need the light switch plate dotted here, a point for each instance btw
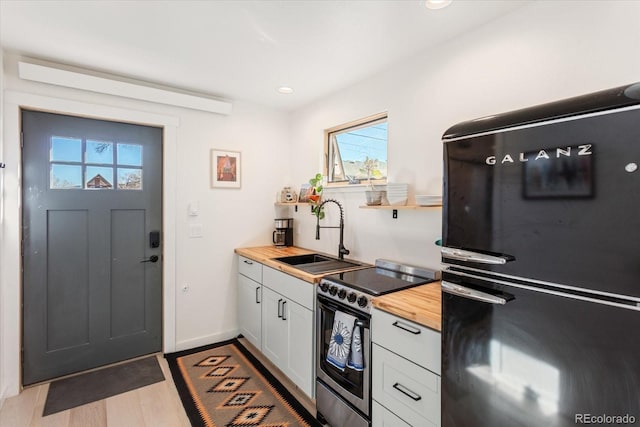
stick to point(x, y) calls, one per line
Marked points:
point(195, 230)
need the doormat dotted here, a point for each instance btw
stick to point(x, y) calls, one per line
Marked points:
point(81, 389)
point(225, 385)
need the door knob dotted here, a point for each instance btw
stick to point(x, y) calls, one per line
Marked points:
point(152, 258)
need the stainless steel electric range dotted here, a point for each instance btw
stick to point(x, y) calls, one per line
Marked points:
point(343, 393)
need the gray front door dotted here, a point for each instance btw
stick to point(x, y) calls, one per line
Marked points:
point(92, 195)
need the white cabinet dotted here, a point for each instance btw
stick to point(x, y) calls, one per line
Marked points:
point(406, 371)
point(288, 330)
point(381, 417)
point(275, 339)
point(250, 310)
point(250, 300)
point(250, 268)
point(276, 315)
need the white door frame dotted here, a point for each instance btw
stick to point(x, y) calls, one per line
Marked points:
point(10, 220)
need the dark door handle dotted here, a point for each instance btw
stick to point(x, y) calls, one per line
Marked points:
point(279, 308)
point(152, 258)
point(284, 312)
point(405, 327)
point(402, 389)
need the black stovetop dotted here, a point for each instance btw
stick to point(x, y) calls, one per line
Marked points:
point(376, 280)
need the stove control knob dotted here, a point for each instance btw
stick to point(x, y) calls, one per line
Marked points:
point(324, 286)
point(333, 290)
point(351, 297)
point(362, 301)
point(342, 294)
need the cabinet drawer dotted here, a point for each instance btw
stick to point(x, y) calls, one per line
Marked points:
point(291, 287)
point(406, 389)
point(250, 268)
point(417, 343)
point(382, 417)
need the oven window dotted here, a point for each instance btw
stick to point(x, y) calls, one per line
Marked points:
point(350, 379)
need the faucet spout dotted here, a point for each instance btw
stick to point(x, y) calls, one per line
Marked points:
point(342, 251)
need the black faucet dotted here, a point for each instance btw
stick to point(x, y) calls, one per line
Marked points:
point(342, 251)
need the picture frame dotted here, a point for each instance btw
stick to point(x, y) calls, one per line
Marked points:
point(225, 168)
point(305, 191)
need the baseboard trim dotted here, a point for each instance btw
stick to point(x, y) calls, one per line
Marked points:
point(206, 340)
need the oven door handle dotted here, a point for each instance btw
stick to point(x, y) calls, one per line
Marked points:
point(326, 305)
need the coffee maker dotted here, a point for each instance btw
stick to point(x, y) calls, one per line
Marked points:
point(283, 234)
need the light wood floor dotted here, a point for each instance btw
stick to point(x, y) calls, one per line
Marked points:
point(156, 405)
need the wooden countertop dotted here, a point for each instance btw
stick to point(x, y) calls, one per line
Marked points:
point(421, 304)
point(265, 255)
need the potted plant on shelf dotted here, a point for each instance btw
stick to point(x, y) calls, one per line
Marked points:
point(316, 196)
point(370, 167)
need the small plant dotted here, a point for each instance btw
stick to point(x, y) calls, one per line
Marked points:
point(371, 170)
point(374, 197)
point(316, 196)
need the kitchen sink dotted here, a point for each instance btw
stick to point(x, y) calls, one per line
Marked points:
point(317, 264)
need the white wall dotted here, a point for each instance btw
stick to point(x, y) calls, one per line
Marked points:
point(205, 312)
point(546, 51)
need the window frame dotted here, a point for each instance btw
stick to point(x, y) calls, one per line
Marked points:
point(363, 122)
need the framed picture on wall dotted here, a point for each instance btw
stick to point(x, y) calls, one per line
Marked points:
point(225, 169)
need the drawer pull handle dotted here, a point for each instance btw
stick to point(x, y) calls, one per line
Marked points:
point(405, 327)
point(246, 261)
point(279, 303)
point(402, 389)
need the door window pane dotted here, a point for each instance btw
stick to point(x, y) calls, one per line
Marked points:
point(129, 179)
point(99, 178)
point(99, 152)
point(67, 163)
point(65, 150)
point(65, 176)
point(130, 154)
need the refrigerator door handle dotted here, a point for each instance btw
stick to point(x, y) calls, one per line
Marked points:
point(461, 291)
point(463, 255)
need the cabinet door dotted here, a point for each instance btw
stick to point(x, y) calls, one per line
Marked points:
point(249, 310)
point(274, 328)
point(406, 389)
point(299, 322)
point(382, 417)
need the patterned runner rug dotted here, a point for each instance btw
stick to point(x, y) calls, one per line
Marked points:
point(224, 385)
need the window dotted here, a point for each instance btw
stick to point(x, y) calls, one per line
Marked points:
point(349, 146)
point(94, 165)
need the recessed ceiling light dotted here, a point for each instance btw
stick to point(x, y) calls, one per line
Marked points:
point(437, 4)
point(285, 90)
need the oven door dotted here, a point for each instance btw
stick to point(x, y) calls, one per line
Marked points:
point(353, 386)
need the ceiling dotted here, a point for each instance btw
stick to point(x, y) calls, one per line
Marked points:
point(238, 50)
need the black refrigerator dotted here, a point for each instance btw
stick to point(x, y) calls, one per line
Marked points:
point(541, 246)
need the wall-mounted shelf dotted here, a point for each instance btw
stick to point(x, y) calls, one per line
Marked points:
point(295, 205)
point(395, 209)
